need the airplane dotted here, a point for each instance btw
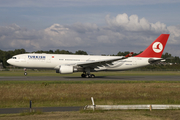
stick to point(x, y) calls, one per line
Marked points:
point(66, 64)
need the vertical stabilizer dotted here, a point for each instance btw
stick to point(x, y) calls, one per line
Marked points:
point(156, 48)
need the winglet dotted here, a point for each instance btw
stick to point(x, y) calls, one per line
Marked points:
point(156, 48)
point(129, 55)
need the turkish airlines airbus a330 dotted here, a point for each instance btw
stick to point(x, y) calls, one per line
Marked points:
point(64, 64)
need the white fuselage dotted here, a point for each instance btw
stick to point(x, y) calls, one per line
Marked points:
point(53, 61)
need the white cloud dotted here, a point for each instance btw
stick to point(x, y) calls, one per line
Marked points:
point(56, 29)
point(133, 23)
point(175, 34)
point(121, 33)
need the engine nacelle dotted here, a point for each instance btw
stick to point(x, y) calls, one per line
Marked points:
point(66, 69)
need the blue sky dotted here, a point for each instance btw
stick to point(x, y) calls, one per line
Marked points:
point(34, 21)
point(41, 17)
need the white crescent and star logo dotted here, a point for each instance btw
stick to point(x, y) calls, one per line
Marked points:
point(157, 47)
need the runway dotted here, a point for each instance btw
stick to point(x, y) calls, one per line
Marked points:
point(99, 78)
point(42, 109)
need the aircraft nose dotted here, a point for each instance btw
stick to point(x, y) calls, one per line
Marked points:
point(9, 61)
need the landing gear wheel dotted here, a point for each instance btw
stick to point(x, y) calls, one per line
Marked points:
point(87, 76)
point(25, 73)
point(92, 75)
point(83, 75)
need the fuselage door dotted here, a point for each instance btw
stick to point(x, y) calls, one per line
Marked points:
point(48, 60)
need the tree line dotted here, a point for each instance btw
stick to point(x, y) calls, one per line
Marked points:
point(5, 55)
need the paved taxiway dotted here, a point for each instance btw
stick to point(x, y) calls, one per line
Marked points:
point(103, 78)
point(42, 109)
point(57, 78)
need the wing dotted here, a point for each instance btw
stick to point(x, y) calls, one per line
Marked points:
point(104, 62)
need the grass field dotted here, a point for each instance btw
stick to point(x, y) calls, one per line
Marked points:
point(100, 115)
point(77, 93)
point(45, 94)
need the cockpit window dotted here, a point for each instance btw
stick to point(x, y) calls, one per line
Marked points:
point(13, 57)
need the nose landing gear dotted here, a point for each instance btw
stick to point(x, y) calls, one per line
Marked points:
point(25, 73)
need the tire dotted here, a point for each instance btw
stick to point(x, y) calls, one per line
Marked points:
point(25, 73)
point(83, 75)
point(92, 75)
point(87, 76)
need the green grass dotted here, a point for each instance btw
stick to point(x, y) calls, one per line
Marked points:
point(19, 95)
point(99, 115)
point(33, 112)
point(78, 93)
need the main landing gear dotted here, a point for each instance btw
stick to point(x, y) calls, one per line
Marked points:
point(25, 73)
point(85, 75)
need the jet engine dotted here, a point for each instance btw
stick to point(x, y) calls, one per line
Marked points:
point(67, 69)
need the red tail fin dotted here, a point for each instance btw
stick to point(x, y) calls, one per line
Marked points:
point(156, 48)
